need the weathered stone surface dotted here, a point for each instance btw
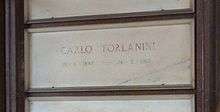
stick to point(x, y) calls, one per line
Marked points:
point(40, 9)
point(144, 54)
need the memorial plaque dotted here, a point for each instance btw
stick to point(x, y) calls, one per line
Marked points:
point(41, 9)
point(114, 104)
point(154, 54)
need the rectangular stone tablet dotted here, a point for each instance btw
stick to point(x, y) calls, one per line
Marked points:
point(44, 9)
point(156, 103)
point(154, 54)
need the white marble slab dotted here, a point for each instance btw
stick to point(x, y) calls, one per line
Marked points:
point(41, 9)
point(114, 104)
point(159, 53)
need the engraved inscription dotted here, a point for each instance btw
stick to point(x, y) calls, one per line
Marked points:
point(111, 48)
point(154, 55)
